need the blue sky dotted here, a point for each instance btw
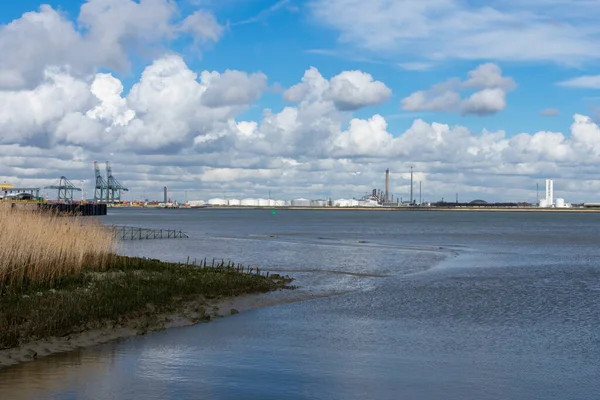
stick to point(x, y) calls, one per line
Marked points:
point(280, 43)
point(482, 70)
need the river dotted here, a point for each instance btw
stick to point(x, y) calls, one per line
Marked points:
point(433, 305)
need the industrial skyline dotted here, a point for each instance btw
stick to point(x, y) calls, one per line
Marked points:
point(112, 190)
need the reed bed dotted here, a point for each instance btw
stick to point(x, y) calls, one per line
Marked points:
point(61, 275)
point(39, 247)
point(129, 289)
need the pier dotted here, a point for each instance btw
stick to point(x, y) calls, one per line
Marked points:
point(76, 209)
point(135, 233)
point(83, 209)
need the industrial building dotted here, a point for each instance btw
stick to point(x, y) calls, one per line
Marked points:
point(300, 202)
point(377, 198)
point(548, 201)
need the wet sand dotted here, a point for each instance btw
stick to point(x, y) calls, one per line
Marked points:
point(189, 313)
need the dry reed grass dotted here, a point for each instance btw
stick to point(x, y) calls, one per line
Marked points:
point(60, 275)
point(39, 247)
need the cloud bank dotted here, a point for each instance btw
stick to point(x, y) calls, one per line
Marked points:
point(189, 129)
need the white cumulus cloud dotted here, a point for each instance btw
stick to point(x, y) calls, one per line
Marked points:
point(352, 90)
point(349, 91)
point(484, 102)
point(106, 32)
point(489, 97)
point(233, 87)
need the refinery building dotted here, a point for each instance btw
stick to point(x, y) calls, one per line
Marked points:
point(548, 201)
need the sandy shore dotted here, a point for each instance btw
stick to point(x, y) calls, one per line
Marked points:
point(189, 313)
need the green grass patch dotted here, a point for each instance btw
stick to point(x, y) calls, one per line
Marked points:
point(128, 288)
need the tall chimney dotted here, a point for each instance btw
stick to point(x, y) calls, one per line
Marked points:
point(387, 184)
point(165, 190)
point(549, 192)
point(411, 185)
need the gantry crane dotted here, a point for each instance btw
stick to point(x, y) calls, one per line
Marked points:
point(113, 186)
point(101, 188)
point(65, 189)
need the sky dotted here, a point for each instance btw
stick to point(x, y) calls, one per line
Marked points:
point(311, 99)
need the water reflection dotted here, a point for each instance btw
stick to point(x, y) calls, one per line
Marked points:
point(57, 373)
point(513, 316)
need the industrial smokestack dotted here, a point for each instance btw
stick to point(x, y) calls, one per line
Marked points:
point(549, 192)
point(387, 184)
point(411, 185)
point(165, 192)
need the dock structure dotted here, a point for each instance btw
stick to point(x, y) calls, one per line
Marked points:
point(82, 209)
point(135, 233)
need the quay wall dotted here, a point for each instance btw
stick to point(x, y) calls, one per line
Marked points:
point(84, 209)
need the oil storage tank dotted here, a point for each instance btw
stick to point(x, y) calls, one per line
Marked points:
point(301, 202)
point(249, 202)
point(341, 203)
point(263, 202)
point(234, 202)
point(217, 202)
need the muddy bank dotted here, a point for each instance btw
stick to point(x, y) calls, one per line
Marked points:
point(132, 297)
point(189, 313)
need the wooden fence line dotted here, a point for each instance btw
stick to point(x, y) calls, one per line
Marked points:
point(134, 233)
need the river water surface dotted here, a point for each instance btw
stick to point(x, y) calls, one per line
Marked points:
point(435, 305)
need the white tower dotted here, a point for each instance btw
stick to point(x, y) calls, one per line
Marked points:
point(549, 192)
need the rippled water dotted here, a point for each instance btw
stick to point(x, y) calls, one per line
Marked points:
point(438, 305)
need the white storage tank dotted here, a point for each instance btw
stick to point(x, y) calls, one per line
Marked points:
point(341, 203)
point(249, 202)
point(318, 203)
point(354, 203)
point(560, 203)
point(217, 202)
point(234, 202)
point(301, 202)
point(263, 202)
point(196, 203)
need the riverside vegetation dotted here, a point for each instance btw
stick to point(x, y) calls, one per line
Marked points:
point(62, 275)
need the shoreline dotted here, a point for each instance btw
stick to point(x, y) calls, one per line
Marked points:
point(187, 314)
point(415, 209)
